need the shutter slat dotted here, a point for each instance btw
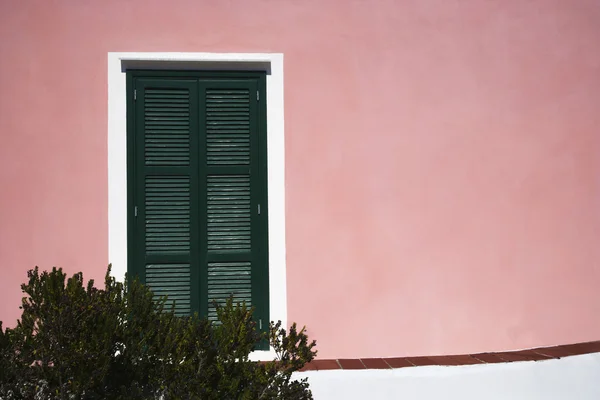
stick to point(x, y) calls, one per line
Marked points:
point(228, 127)
point(167, 195)
point(173, 281)
point(228, 201)
point(161, 117)
point(228, 279)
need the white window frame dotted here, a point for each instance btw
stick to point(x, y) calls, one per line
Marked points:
point(118, 63)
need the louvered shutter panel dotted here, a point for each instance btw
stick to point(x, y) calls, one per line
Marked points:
point(166, 193)
point(198, 182)
point(235, 245)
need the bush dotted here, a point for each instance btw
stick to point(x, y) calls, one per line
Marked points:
point(75, 341)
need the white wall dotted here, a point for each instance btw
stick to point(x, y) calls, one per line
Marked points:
point(572, 378)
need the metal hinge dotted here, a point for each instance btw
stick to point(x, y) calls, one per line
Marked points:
point(259, 209)
point(135, 211)
point(260, 324)
point(257, 95)
point(135, 94)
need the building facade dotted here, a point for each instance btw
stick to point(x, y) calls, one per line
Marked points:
point(413, 178)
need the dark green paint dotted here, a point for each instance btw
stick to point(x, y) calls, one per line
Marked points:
point(225, 163)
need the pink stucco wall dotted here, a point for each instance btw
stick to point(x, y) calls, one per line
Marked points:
point(442, 158)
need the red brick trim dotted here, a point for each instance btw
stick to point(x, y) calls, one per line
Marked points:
point(542, 353)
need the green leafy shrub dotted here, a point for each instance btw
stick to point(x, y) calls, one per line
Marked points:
point(75, 341)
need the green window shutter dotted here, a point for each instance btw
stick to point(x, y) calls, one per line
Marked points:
point(166, 196)
point(198, 177)
point(235, 209)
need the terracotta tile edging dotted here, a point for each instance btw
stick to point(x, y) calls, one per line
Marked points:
point(537, 354)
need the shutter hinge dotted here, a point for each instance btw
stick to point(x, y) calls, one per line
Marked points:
point(259, 209)
point(260, 324)
point(135, 211)
point(135, 94)
point(257, 95)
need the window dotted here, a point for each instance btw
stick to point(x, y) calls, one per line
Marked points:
point(197, 187)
